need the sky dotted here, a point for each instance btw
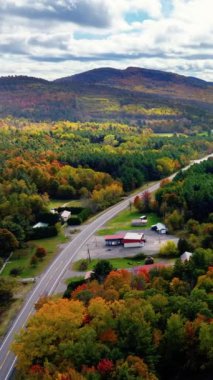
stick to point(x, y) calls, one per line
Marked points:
point(57, 38)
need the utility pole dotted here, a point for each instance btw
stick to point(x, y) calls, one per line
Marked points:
point(88, 252)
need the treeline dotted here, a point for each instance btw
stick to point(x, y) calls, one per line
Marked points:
point(150, 324)
point(186, 204)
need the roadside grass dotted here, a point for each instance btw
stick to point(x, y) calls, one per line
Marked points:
point(10, 313)
point(73, 279)
point(122, 222)
point(117, 263)
point(55, 203)
point(21, 257)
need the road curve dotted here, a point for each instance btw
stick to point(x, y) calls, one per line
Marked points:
point(49, 280)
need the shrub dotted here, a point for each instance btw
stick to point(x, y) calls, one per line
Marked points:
point(72, 286)
point(139, 256)
point(40, 253)
point(84, 214)
point(34, 261)
point(83, 265)
point(48, 217)
point(74, 221)
point(16, 271)
point(43, 232)
point(169, 249)
point(149, 260)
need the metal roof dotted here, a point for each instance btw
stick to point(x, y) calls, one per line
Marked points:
point(134, 235)
point(115, 237)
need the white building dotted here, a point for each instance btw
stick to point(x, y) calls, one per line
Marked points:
point(65, 215)
point(133, 240)
point(186, 256)
point(40, 225)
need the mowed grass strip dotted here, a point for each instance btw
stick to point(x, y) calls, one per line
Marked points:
point(117, 263)
point(22, 257)
point(8, 314)
point(122, 222)
point(55, 203)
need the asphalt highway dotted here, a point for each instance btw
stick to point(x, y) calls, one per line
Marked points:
point(49, 280)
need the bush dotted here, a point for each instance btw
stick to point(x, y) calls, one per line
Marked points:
point(16, 271)
point(74, 221)
point(43, 232)
point(40, 253)
point(72, 286)
point(48, 217)
point(139, 256)
point(84, 214)
point(169, 249)
point(149, 260)
point(34, 261)
point(83, 265)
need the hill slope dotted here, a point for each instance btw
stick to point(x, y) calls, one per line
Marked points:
point(134, 95)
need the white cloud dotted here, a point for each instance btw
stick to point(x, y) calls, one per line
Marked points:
point(181, 41)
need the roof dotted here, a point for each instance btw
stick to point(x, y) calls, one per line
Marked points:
point(186, 256)
point(159, 226)
point(134, 235)
point(65, 214)
point(116, 236)
point(40, 225)
point(88, 274)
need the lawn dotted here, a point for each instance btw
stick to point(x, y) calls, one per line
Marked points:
point(55, 203)
point(11, 312)
point(21, 257)
point(122, 222)
point(119, 263)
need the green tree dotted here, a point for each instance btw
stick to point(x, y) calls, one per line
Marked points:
point(101, 270)
point(8, 242)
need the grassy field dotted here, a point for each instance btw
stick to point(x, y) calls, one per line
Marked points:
point(73, 279)
point(54, 203)
point(118, 263)
point(21, 257)
point(122, 222)
point(11, 312)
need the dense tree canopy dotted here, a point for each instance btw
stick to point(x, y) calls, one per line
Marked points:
point(94, 161)
point(147, 325)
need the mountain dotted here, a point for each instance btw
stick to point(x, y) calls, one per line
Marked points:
point(134, 95)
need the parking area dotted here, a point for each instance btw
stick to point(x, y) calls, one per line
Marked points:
point(96, 247)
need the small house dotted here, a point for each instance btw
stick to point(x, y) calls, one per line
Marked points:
point(65, 215)
point(186, 256)
point(40, 225)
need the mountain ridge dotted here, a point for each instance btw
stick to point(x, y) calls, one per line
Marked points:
point(134, 95)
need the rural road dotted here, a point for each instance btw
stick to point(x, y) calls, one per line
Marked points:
point(49, 280)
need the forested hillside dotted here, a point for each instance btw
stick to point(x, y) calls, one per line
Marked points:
point(163, 101)
point(152, 322)
point(143, 325)
point(94, 162)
